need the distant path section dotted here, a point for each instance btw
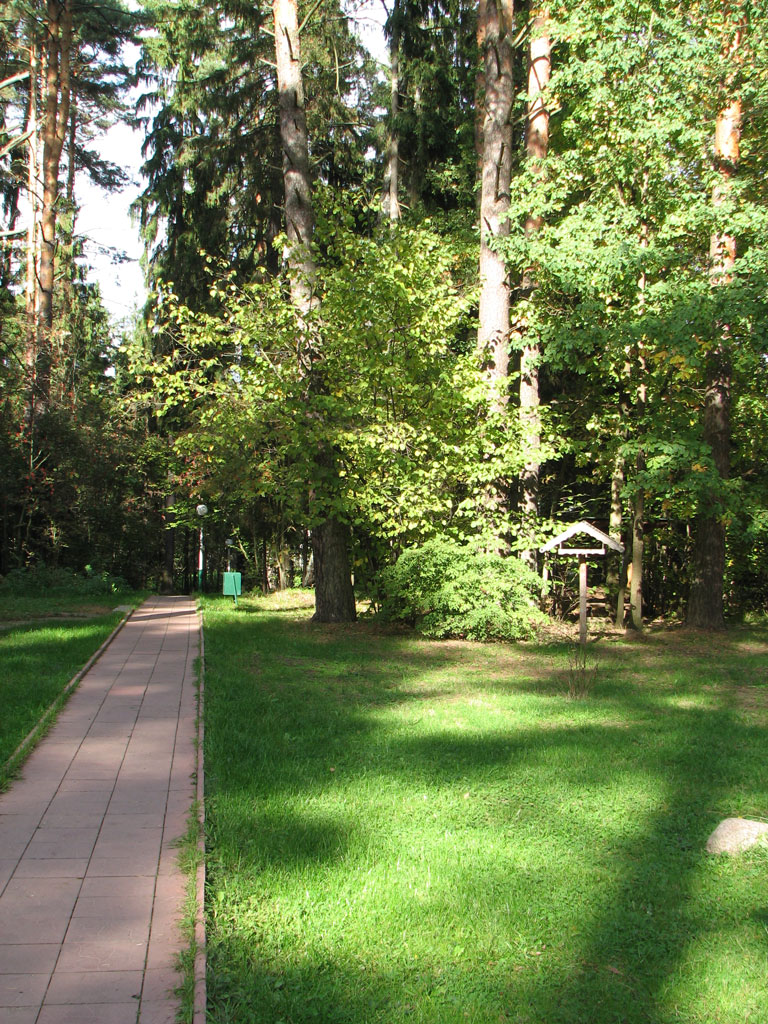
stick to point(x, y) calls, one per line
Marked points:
point(90, 890)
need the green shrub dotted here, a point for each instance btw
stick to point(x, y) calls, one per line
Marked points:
point(447, 589)
point(43, 579)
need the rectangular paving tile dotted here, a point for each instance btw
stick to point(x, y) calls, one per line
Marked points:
point(84, 817)
point(30, 894)
point(159, 984)
point(138, 887)
point(22, 989)
point(115, 907)
point(24, 798)
point(27, 926)
point(100, 1013)
point(15, 833)
point(116, 955)
point(85, 987)
point(28, 957)
point(161, 1012)
point(19, 1015)
point(7, 868)
point(143, 843)
point(52, 843)
point(79, 786)
point(127, 926)
point(146, 804)
point(58, 867)
point(120, 866)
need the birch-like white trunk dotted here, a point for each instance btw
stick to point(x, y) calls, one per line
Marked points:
point(493, 334)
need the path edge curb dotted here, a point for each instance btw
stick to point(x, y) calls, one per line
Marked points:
point(201, 961)
point(21, 752)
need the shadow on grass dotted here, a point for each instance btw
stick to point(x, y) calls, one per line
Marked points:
point(598, 911)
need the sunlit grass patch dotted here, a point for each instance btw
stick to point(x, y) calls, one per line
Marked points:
point(405, 830)
point(36, 663)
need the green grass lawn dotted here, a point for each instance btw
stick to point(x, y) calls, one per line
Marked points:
point(23, 608)
point(44, 641)
point(401, 830)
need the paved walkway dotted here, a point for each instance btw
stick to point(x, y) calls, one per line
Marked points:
point(90, 891)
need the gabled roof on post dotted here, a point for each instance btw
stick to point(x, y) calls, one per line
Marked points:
point(605, 542)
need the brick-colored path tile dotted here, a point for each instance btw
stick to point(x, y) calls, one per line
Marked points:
point(90, 892)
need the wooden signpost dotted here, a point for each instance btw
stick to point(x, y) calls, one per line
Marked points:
point(598, 549)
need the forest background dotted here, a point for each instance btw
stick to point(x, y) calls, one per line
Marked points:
point(517, 281)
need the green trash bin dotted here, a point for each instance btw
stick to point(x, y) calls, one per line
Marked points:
point(232, 586)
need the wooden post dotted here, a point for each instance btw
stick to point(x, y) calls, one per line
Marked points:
point(604, 543)
point(582, 599)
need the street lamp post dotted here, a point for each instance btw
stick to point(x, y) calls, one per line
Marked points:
point(202, 510)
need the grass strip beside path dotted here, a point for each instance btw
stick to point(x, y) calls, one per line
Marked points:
point(401, 830)
point(17, 609)
point(36, 663)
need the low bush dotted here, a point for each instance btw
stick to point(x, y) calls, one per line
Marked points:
point(43, 579)
point(447, 589)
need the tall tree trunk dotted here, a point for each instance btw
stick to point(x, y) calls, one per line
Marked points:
point(390, 203)
point(57, 96)
point(638, 544)
point(616, 580)
point(536, 145)
point(33, 195)
point(418, 163)
point(333, 587)
point(493, 327)
point(71, 212)
point(482, 18)
point(334, 595)
point(705, 601)
point(493, 334)
point(169, 546)
point(635, 578)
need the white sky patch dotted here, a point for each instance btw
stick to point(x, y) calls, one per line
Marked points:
point(112, 244)
point(368, 17)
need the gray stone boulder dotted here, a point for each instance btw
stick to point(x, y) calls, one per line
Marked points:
point(733, 835)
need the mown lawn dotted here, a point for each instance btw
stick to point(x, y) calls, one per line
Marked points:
point(16, 608)
point(400, 830)
point(44, 641)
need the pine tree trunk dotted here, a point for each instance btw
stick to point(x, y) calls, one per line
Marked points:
point(31, 295)
point(57, 95)
point(390, 203)
point(334, 596)
point(68, 241)
point(482, 18)
point(418, 164)
point(536, 145)
point(706, 597)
